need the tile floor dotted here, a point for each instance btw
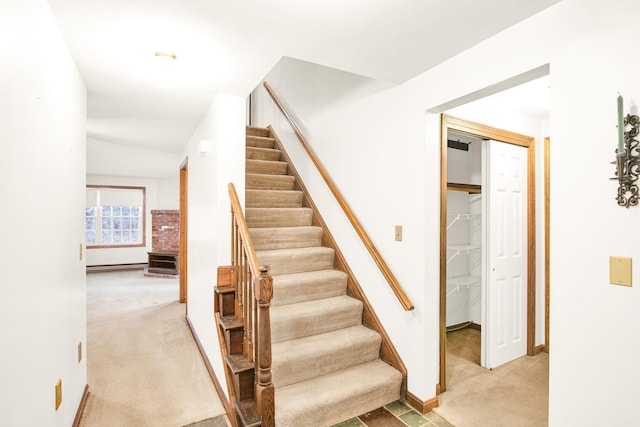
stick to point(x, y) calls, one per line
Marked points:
point(396, 414)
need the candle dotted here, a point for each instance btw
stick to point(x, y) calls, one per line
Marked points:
point(621, 150)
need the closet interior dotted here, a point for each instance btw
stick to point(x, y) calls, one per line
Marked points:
point(464, 233)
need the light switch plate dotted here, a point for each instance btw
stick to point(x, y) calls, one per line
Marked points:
point(620, 270)
point(398, 233)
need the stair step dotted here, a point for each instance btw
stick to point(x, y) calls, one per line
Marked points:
point(339, 396)
point(303, 319)
point(273, 198)
point(238, 363)
point(296, 260)
point(309, 286)
point(248, 412)
point(260, 141)
point(285, 237)
point(230, 322)
point(278, 217)
point(257, 131)
point(256, 153)
point(266, 167)
point(254, 181)
point(309, 357)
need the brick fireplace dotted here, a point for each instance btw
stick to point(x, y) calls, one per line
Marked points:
point(165, 244)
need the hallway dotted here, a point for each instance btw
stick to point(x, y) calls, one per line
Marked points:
point(513, 395)
point(144, 368)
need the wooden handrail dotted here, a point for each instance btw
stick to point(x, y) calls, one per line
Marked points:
point(382, 265)
point(244, 231)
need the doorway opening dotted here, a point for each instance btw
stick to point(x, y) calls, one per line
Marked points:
point(467, 198)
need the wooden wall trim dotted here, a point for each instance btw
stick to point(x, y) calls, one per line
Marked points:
point(81, 406)
point(184, 221)
point(443, 251)
point(223, 398)
point(423, 407)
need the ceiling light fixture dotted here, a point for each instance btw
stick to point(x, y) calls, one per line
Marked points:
point(166, 55)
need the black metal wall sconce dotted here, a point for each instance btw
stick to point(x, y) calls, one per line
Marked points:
point(627, 158)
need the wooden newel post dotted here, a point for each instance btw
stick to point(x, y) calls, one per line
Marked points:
point(265, 395)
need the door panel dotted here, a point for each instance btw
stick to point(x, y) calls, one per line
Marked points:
point(506, 249)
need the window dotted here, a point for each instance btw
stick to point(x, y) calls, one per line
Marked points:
point(115, 216)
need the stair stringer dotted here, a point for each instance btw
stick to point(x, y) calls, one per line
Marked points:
point(388, 352)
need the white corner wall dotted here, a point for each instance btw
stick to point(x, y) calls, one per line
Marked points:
point(383, 151)
point(42, 169)
point(160, 194)
point(110, 159)
point(209, 218)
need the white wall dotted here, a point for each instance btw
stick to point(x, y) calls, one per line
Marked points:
point(383, 151)
point(159, 193)
point(42, 170)
point(209, 219)
point(381, 177)
point(107, 158)
point(168, 192)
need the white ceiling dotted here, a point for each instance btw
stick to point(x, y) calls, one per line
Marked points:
point(227, 46)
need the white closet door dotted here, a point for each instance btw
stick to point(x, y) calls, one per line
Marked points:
point(506, 253)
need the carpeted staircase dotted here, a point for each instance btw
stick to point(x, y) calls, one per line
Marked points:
point(326, 365)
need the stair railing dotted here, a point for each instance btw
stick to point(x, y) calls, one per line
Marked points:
point(375, 254)
point(254, 290)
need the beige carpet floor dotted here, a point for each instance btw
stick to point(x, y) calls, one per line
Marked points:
point(144, 368)
point(513, 395)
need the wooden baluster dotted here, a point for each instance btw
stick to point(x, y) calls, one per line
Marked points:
point(265, 395)
point(234, 234)
point(240, 299)
point(236, 265)
point(248, 320)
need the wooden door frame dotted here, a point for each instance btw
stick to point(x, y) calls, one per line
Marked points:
point(466, 127)
point(184, 190)
point(547, 238)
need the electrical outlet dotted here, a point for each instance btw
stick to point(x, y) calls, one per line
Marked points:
point(80, 352)
point(398, 233)
point(58, 394)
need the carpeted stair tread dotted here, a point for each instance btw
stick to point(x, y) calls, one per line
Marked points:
point(257, 131)
point(263, 154)
point(296, 260)
point(309, 357)
point(273, 198)
point(256, 181)
point(299, 320)
point(308, 286)
point(285, 237)
point(326, 364)
point(267, 167)
point(260, 141)
point(339, 396)
point(278, 217)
